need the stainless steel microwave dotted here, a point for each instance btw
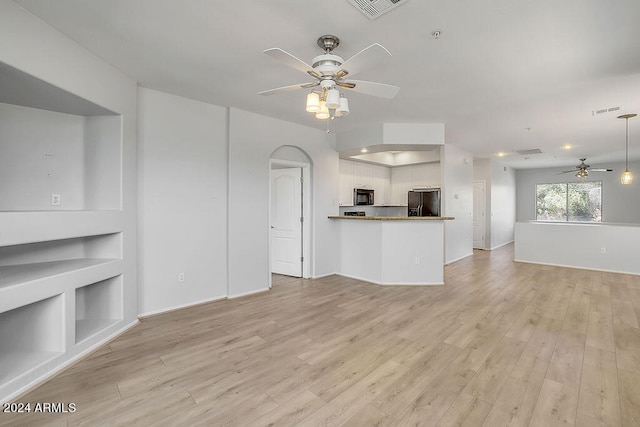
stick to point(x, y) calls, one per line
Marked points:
point(362, 196)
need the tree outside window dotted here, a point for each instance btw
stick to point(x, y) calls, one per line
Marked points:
point(573, 201)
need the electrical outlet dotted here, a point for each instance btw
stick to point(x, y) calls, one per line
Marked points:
point(55, 200)
point(180, 277)
point(603, 250)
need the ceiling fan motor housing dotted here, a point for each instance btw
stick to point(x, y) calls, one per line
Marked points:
point(327, 64)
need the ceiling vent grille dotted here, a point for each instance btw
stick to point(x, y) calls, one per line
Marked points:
point(605, 111)
point(374, 8)
point(529, 152)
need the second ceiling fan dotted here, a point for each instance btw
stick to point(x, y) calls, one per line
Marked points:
point(582, 170)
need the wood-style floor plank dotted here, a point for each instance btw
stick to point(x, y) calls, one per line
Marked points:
point(501, 344)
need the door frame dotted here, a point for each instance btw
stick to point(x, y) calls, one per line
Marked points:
point(306, 265)
point(484, 208)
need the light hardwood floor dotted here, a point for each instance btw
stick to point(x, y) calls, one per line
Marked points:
point(502, 343)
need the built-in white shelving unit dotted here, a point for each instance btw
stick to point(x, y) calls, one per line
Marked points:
point(61, 245)
point(98, 306)
point(30, 335)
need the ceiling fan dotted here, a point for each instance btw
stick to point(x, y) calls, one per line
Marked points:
point(582, 170)
point(329, 72)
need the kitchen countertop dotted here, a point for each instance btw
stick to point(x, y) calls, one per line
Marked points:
point(394, 218)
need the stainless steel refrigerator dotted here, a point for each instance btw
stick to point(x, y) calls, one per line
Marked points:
point(424, 202)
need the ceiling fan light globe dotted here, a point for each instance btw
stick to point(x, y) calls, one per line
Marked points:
point(333, 99)
point(626, 177)
point(343, 108)
point(323, 112)
point(313, 102)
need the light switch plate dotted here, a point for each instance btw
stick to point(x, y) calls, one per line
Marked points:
point(55, 200)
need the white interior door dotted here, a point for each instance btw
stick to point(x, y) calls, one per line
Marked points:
point(478, 215)
point(286, 225)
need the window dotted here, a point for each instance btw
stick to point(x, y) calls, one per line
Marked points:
point(572, 201)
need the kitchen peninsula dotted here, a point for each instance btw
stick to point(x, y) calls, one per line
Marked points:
point(388, 250)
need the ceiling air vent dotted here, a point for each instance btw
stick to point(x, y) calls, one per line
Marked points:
point(529, 152)
point(374, 8)
point(605, 110)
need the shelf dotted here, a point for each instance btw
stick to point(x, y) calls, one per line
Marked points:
point(98, 306)
point(36, 226)
point(30, 336)
point(34, 261)
point(17, 274)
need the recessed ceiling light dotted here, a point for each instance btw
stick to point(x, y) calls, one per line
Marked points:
point(364, 150)
point(501, 154)
point(567, 147)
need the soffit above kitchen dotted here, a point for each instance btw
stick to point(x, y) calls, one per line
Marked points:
point(393, 144)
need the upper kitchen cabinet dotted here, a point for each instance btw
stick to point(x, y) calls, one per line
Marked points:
point(346, 182)
point(407, 178)
point(362, 175)
point(425, 175)
point(382, 185)
point(401, 183)
point(57, 151)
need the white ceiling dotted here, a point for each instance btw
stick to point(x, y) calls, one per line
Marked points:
point(504, 75)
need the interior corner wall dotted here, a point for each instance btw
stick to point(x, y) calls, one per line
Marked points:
point(30, 45)
point(252, 139)
point(457, 201)
point(503, 204)
point(182, 171)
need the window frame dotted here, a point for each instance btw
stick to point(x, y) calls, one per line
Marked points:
point(566, 215)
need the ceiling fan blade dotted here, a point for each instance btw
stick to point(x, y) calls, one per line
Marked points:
point(290, 60)
point(381, 90)
point(346, 85)
point(365, 59)
point(288, 88)
point(575, 170)
point(341, 73)
point(600, 170)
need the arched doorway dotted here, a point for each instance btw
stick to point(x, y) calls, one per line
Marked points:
point(290, 212)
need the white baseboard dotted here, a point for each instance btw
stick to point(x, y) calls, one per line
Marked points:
point(388, 284)
point(458, 259)
point(179, 307)
point(577, 267)
point(324, 275)
point(504, 244)
point(244, 294)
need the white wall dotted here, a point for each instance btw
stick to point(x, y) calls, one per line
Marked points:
point(503, 204)
point(204, 181)
point(457, 201)
point(182, 171)
point(620, 203)
point(37, 161)
point(500, 195)
point(602, 247)
point(252, 139)
point(482, 172)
